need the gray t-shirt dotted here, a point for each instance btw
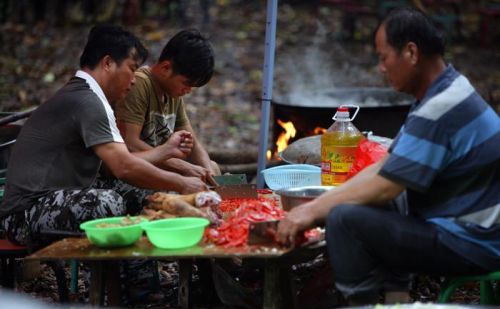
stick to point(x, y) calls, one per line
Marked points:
point(54, 148)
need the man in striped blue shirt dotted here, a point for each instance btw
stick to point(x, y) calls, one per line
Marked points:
point(442, 173)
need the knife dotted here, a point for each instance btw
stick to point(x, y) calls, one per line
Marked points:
point(262, 233)
point(237, 191)
point(230, 179)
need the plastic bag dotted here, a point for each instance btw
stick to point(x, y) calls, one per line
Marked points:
point(367, 153)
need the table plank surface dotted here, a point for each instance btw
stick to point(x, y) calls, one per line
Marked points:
point(81, 249)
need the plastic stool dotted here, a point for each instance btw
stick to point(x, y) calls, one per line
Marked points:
point(488, 294)
point(8, 253)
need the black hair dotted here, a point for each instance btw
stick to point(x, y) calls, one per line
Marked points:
point(113, 41)
point(191, 55)
point(409, 24)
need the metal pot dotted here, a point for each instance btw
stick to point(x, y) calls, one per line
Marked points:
point(308, 150)
point(382, 110)
point(292, 197)
point(362, 96)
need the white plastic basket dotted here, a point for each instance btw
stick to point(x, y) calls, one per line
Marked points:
point(292, 175)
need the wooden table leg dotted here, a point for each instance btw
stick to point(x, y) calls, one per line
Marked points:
point(205, 274)
point(185, 272)
point(279, 286)
point(113, 284)
point(272, 296)
point(288, 288)
point(96, 290)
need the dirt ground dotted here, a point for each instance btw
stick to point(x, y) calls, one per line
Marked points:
point(314, 51)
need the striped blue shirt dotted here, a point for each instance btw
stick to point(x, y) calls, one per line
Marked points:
point(447, 154)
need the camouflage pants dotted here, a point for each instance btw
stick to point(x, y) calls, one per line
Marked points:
point(64, 210)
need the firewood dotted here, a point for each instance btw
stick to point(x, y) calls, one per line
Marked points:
point(234, 156)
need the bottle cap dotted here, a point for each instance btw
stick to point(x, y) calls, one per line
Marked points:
point(342, 114)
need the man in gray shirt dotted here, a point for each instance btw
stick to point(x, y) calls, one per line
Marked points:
point(53, 167)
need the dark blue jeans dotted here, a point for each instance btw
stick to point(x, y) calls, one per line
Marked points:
point(373, 249)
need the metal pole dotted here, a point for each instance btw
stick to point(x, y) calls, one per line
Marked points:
point(267, 87)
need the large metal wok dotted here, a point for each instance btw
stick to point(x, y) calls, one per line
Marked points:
point(382, 110)
point(308, 150)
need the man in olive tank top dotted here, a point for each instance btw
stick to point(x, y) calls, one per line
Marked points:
point(154, 108)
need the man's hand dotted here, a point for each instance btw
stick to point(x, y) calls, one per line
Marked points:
point(196, 171)
point(199, 172)
point(179, 145)
point(192, 185)
point(297, 220)
point(140, 173)
point(189, 170)
point(187, 143)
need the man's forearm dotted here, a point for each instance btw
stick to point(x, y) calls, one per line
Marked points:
point(157, 179)
point(146, 152)
point(366, 188)
point(199, 156)
point(174, 165)
point(135, 144)
point(153, 156)
point(135, 171)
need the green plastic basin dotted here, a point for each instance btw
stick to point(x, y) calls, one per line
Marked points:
point(175, 233)
point(110, 237)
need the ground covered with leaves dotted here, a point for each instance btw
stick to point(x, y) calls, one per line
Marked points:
point(37, 58)
point(313, 281)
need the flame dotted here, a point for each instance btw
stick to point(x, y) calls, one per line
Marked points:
point(319, 130)
point(284, 137)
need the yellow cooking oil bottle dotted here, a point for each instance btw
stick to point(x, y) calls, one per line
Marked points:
point(338, 146)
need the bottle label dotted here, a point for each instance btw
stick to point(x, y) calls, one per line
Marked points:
point(336, 162)
point(333, 179)
point(341, 158)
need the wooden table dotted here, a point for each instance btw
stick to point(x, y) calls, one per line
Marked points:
point(278, 285)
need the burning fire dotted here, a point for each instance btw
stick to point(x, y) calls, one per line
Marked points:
point(284, 137)
point(319, 130)
point(268, 154)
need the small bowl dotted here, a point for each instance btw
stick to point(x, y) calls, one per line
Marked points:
point(113, 236)
point(175, 233)
point(292, 197)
